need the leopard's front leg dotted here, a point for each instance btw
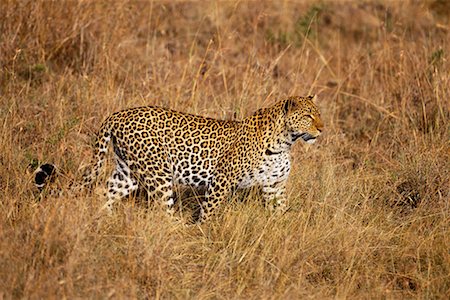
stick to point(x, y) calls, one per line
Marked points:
point(274, 196)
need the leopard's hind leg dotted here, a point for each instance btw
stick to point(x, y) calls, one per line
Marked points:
point(162, 190)
point(120, 184)
point(159, 184)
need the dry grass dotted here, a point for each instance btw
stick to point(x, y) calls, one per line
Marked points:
point(369, 202)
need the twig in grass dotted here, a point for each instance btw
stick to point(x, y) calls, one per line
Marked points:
point(378, 107)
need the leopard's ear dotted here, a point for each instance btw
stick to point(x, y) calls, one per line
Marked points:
point(312, 98)
point(289, 104)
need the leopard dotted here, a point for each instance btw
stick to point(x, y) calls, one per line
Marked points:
point(157, 148)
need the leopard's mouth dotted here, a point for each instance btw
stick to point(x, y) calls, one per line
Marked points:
point(308, 138)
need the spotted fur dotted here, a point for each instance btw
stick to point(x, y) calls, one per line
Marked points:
point(157, 148)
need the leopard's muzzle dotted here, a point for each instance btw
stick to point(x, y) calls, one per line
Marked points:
point(308, 138)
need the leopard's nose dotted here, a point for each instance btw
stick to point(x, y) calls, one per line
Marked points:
point(319, 125)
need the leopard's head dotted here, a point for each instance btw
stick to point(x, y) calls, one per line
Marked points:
point(302, 118)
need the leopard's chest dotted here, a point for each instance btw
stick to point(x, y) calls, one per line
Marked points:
point(273, 168)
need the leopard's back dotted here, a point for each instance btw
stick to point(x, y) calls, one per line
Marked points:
point(151, 137)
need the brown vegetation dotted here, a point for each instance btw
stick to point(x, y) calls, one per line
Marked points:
point(369, 202)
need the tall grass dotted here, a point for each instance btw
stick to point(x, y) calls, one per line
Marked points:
point(369, 203)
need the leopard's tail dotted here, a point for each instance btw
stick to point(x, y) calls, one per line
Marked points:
point(46, 172)
point(104, 137)
point(43, 175)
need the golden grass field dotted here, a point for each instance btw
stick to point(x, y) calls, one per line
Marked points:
point(369, 202)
